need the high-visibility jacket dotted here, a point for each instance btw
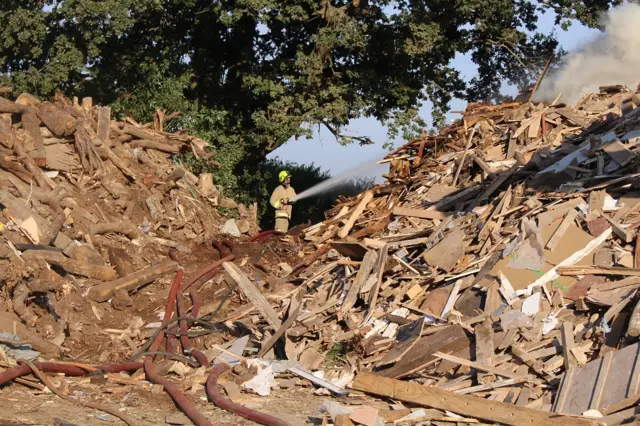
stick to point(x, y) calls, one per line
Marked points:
point(279, 194)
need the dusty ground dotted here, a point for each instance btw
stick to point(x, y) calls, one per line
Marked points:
point(23, 406)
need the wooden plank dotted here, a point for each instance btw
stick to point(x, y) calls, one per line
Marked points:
point(478, 366)
point(634, 323)
point(408, 336)
point(628, 416)
point(448, 252)
point(567, 344)
point(293, 316)
point(625, 234)
point(523, 398)
point(368, 262)
point(506, 289)
point(450, 339)
point(104, 291)
point(373, 296)
point(89, 270)
point(508, 339)
point(466, 149)
point(511, 146)
point(485, 350)
point(612, 338)
point(619, 153)
point(366, 198)
point(598, 270)
point(253, 294)
point(599, 388)
point(452, 298)
point(465, 405)
point(104, 124)
point(483, 165)
point(562, 229)
point(572, 117)
point(596, 201)
point(420, 213)
point(493, 385)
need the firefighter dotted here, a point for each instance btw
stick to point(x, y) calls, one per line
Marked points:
point(281, 200)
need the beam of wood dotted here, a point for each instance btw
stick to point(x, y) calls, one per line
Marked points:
point(613, 285)
point(478, 366)
point(253, 294)
point(31, 124)
point(373, 297)
point(293, 316)
point(624, 234)
point(466, 150)
point(368, 262)
point(366, 198)
point(618, 307)
point(104, 122)
point(562, 229)
point(493, 385)
point(634, 323)
point(598, 270)
point(420, 213)
point(620, 153)
point(449, 339)
point(485, 351)
point(103, 292)
point(98, 272)
point(453, 296)
point(567, 344)
point(465, 405)
point(149, 144)
point(571, 260)
point(571, 116)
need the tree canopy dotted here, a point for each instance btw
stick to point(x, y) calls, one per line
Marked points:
point(250, 74)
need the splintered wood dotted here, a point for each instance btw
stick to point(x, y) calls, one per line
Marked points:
point(474, 287)
point(493, 279)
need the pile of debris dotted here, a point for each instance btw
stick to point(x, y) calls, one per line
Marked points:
point(91, 204)
point(493, 279)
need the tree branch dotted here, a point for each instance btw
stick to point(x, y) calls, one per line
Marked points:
point(363, 140)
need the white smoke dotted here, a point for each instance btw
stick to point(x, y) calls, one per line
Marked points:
point(613, 57)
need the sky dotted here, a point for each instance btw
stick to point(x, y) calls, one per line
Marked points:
point(324, 151)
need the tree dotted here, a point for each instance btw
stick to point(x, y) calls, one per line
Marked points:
point(250, 74)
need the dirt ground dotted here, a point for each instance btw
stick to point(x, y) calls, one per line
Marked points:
point(22, 406)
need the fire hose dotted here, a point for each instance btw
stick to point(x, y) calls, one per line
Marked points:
point(220, 401)
point(173, 304)
point(263, 236)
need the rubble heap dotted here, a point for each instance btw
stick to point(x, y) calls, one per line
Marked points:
point(493, 279)
point(97, 201)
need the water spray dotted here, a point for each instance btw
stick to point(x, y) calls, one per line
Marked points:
point(333, 182)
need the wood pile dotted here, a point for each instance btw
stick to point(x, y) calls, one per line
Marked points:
point(96, 200)
point(493, 279)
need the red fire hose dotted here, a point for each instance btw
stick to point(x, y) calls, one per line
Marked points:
point(174, 392)
point(173, 304)
point(219, 400)
point(263, 236)
point(69, 370)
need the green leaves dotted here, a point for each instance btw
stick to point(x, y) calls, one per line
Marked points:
point(269, 70)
